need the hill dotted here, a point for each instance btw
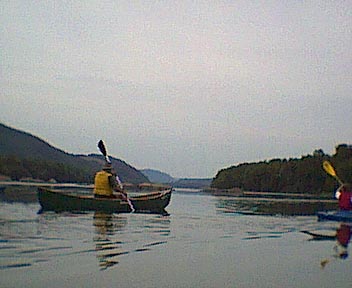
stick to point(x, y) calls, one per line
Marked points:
point(156, 176)
point(24, 155)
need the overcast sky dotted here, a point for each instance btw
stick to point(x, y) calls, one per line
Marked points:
point(185, 87)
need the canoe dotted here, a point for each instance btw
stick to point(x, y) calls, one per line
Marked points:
point(59, 200)
point(340, 216)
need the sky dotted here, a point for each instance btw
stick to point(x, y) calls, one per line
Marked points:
point(184, 87)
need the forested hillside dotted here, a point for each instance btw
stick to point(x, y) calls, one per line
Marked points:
point(23, 155)
point(304, 175)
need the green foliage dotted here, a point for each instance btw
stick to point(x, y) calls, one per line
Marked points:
point(45, 170)
point(303, 175)
point(41, 169)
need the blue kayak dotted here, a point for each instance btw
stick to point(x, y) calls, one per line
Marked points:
point(341, 216)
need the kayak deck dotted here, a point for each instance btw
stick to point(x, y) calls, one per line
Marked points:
point(341, 216)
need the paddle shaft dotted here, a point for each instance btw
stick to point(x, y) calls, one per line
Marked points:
point(124, 195)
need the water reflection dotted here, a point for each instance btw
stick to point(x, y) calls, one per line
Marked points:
point(108, 249)
point(272, 206)
point(117, 235)
point(342, 238)
point(197, 246)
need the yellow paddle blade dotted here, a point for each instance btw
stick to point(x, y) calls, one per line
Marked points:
point(329, 169)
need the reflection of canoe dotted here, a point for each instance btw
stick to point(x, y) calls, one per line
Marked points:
point(319, 236)
point(341, 216)
point(57, 200)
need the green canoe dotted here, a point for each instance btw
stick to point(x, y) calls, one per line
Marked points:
point(59, 200)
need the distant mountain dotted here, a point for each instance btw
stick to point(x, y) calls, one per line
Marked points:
point(156, 176)
point(25, 155)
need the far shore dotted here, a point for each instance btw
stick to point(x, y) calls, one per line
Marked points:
point(235, 192)
point(45, 184)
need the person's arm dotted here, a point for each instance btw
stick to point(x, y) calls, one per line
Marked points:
point(115, 185)
point(338, 192)
point(113, 182)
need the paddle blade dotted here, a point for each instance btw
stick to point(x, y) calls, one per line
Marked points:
point(103, 150)
point(329, 169)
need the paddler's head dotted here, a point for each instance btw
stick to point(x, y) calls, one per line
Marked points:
point(107, 167)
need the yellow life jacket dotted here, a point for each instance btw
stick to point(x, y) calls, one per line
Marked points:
point(102, 185)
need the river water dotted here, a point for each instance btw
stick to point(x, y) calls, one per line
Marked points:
point(198, 245)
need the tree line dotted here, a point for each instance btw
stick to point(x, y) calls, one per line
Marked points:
point(17, 169)
point(80, 170)
point(304, 175)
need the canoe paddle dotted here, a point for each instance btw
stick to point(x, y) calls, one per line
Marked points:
point(103, 151)
point(331, 171)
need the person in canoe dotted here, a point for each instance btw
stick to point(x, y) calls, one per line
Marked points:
point(344, 195)
point(106, 183)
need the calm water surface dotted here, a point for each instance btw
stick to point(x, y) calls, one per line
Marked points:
point(200, 244)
